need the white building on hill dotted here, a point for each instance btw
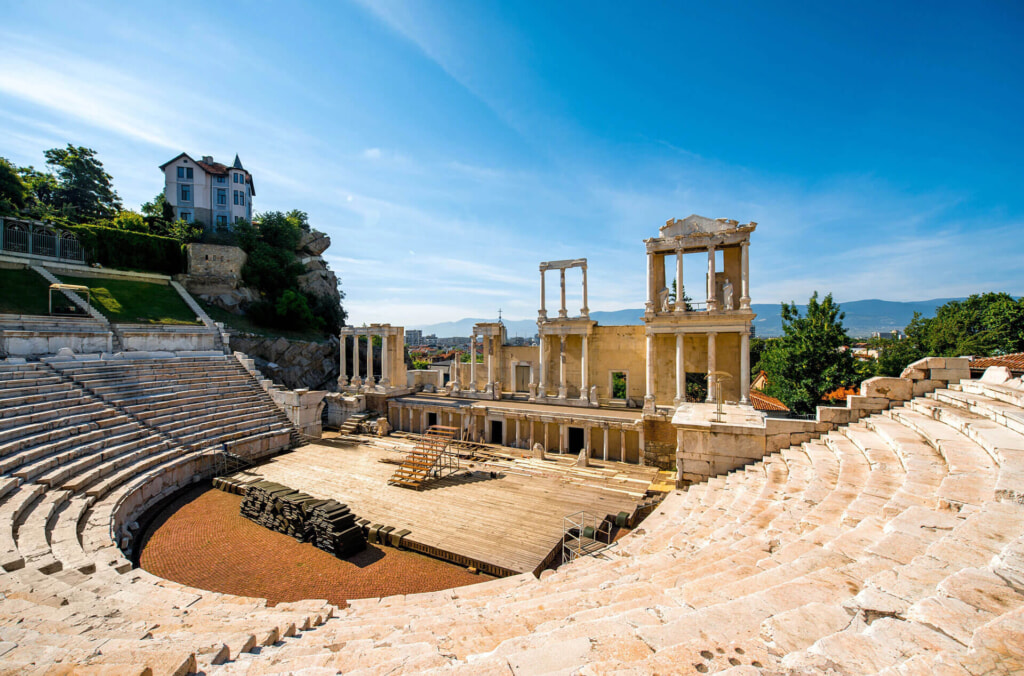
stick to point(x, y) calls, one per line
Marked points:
point(208, 192)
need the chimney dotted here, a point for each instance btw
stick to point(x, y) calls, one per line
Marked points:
point(208, 159)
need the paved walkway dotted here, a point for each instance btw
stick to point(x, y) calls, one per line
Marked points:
point(202, 541)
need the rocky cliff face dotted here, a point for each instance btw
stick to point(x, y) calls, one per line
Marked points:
point(292, 363)
point(215, 273)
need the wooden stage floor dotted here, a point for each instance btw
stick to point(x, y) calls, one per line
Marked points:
point(512, 522)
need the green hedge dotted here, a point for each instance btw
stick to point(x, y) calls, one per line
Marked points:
point(114, 248)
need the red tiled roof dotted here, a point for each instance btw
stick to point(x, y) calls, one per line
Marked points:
point(762, 402)
point(1014, 362)
point(215, 168)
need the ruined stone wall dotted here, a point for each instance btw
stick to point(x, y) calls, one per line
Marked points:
point(292, 363)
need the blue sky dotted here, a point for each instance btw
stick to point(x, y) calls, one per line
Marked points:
point(448, 148)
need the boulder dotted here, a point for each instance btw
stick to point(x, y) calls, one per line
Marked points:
point(314, 243)
point(319, 283)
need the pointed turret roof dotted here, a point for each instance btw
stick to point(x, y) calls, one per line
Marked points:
point(238, 163)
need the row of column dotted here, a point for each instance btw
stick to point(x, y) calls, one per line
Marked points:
point(712, 300)
point(744, 375)
point(562, 311)
point(562, 357)
point(489, 340)
point(513, 431)
point(370, 380)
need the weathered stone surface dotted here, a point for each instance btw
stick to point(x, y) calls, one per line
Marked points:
point(314, 243)
point(294, 364)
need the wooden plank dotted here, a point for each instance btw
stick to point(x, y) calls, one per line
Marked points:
point(512, 522)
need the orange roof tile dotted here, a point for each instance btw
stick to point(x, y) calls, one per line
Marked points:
point(1014, 362)
point(762, 402)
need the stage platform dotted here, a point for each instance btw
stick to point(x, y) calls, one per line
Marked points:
point(505, 525)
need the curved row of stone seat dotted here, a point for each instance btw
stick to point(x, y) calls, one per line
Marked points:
point(75, 477)
point(892, 544)
point(200, 402)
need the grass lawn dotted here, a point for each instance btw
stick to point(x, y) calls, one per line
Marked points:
point(243, 324)
point(23, 292)
point(122, 300)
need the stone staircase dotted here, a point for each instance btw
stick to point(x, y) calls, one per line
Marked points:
point(894, 545)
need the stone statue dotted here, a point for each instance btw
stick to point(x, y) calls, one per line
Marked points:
point(383, 427)
point(727, 295)
point(663, 299)
point(593, 394)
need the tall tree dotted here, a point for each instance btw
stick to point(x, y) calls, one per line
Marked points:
point(41, 193)
point(12, 189)
point(981, 325)
point(84, 190)
point(811, 358)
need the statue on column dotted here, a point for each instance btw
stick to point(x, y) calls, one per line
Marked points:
point(663, 301)
point(727, 295)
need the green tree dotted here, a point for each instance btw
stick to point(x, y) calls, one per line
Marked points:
point(40, 198)
point(13, 190)
point(672, 296)
point(130, 220)
point(981, 325)
point(810, 359)
point(84, 190)
point(894, 356)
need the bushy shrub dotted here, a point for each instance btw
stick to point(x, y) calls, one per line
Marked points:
point(115, 248)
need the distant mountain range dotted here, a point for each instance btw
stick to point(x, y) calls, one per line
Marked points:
point(863, 317)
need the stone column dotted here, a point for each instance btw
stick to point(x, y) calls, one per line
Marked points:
point(561, 367)
point(745, 367)
point(585, 311)
point(680, 306)
point(516, 440)
point(649, 396)
point(622, 444)
point(530, 426)
point(562, 311)
point(712, 366)
point(370, 381)
point(543, 368)
point(423, 421)
point(605, 430)
point(546, 428)
point(504, 431)
point(712, 301)
point(543, 312)
point(453, 373)
point(472, 363)
point(385, 372)
point(651, 292)
point(343, 362)
point(356, 378)
point(745, 276)
point(640, 446)
point(586, 439)
point(562, 431)
point(680, 371)
point(490, 363)
point(583, 369)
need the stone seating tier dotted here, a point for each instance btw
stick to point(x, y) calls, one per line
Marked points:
point(894, 545)
point(881, 547)
point(74, 469)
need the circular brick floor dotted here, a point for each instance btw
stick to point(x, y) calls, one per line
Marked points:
point(201, 540)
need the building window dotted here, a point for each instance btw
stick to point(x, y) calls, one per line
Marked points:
point(222, 221)
point(186, 216)
point(240, 198)
point(222, 179)
point(186, 193)
point(222, 196)
point(185, 172)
